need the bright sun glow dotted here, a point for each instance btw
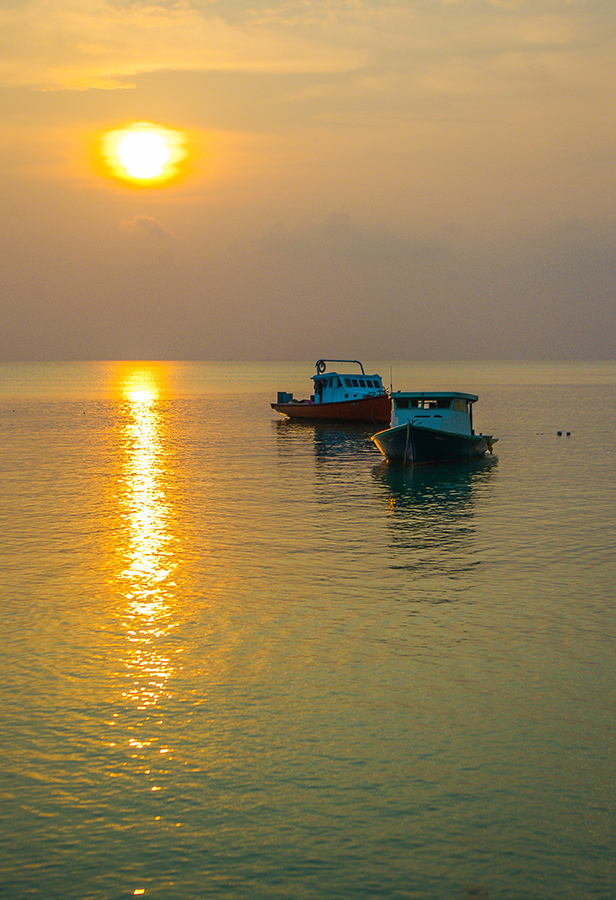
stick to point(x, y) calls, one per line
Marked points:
point(144, 153)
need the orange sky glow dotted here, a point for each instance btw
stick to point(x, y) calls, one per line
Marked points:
point(429, 180)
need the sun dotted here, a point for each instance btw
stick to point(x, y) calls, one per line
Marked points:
point(144, 153)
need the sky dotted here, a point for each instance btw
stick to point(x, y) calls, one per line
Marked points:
point(362, 178)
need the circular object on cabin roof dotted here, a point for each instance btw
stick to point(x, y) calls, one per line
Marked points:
point(320, 366)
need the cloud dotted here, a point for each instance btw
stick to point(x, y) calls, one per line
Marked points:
point(144, 224)
point(339, 239)
point(149, 237)
point(64, 44)
point(460, 47)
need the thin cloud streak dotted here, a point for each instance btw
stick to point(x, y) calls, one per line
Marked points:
point(461, 48)
point(44, 45)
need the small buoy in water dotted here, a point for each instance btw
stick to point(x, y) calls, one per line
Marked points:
point(559, 433)
point(568, 434)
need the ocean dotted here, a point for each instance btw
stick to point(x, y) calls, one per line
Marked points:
point(243, 658)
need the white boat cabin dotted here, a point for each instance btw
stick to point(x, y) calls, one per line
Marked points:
point(450, 411)
point(335, 387)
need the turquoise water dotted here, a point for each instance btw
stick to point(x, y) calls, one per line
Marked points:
point(243, 658)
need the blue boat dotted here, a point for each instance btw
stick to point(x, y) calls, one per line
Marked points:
point(432, 427)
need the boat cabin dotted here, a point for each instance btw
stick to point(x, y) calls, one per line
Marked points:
point(450, 411)
point(335, 387)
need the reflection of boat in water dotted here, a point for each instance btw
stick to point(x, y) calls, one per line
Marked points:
point(432, 427)
point(352, 397)
point(447, 486)
point(326, 438)
point(432, 521)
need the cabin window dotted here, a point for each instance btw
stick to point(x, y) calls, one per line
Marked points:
point(460, 405)
point(362, 383)
point(430, 402)
point(355, 382)
point(370, 383)
point(402, 404)
point(347, 382)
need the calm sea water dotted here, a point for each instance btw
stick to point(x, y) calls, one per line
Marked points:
point(243, 658)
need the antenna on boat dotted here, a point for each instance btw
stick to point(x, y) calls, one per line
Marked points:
point(391, 387)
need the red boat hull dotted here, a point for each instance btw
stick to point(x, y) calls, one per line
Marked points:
point(366, 409)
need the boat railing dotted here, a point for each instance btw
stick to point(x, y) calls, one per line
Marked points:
point(321, 364)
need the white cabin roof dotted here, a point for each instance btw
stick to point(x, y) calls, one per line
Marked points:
point(437, 395)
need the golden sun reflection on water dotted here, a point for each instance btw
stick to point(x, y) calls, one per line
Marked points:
point(149, 565)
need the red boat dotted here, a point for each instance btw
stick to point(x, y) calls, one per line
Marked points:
point(354, 397)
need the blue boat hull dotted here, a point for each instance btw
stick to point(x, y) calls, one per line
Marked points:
point(418, 446)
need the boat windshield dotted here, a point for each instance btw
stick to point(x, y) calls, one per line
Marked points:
point(426, 403)
point(373, 383)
